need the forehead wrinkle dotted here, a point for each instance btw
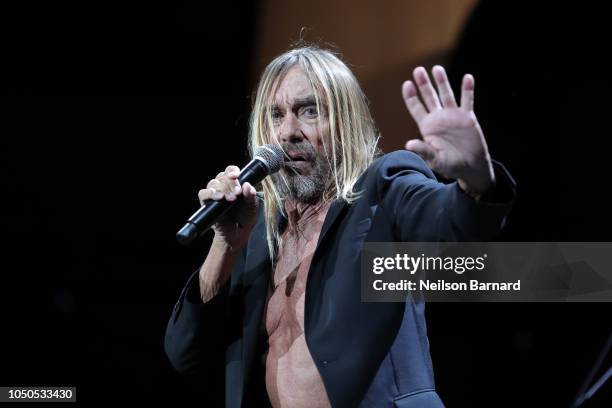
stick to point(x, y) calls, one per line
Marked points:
point(293, 86)
point(290, 98)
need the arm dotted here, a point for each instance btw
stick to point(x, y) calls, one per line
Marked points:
point(424, 209)
point(201, 320)
point(453, 144)
point(196, 332)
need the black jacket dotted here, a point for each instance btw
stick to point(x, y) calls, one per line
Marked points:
point(355, 346)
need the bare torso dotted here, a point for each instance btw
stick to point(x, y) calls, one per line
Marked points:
point(292, 378)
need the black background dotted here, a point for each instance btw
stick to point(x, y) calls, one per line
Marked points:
point(115, 114)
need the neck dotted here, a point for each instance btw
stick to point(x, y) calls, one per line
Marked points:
point(299, 213)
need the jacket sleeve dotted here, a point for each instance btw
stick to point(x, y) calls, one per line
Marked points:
point(423, 209)
point(197, 332)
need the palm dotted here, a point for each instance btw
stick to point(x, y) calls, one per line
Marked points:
point(453, 143)
point(455, 136)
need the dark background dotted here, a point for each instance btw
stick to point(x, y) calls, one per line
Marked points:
point(115, 114)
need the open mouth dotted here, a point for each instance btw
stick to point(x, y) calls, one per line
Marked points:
point(297, 157)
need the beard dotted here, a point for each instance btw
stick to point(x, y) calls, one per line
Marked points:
point(306, 188)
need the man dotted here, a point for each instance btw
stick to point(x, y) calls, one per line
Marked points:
point(281, 282)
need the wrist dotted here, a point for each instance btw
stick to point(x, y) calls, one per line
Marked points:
point(224, 246)
point(477, 181)
point(217, 268)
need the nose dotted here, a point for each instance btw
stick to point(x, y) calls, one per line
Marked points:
point(289, 129)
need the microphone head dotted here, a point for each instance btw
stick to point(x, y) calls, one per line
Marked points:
point(271, 155)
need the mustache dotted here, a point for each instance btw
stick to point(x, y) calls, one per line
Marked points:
point(304, 149)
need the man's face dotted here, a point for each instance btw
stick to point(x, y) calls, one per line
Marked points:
point(302, 131)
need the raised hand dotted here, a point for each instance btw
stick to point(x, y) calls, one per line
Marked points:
point(453, 143)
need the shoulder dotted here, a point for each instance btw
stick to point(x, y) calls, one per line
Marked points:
point(402, 159)
point(396, 164)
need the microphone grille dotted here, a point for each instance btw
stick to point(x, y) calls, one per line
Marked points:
point(271, 155)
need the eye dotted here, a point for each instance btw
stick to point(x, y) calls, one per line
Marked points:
point(276, 115)
point(310, 111)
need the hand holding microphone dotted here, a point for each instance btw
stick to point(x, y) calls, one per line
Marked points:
point(222, 209)
point(234, 226)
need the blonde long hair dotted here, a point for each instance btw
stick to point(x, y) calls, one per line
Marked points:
point(353, 135)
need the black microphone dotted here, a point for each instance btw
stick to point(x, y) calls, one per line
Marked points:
point(266, 160)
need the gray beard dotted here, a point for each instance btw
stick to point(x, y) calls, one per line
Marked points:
point(307, 189)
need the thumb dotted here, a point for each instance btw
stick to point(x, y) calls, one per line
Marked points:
point(250, 196)
point(426, 151)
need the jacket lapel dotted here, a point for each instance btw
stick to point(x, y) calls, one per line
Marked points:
point(334, 211)
point(255, 283)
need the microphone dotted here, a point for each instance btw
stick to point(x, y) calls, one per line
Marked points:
point(266, 160)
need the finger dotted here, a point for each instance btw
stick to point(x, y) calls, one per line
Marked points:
point(204, 194)
point(248, 190)
point(209, 194)
point(426, 151)
point(222, 183)
point(232, 173)
point(412, 101)
point(249, 193)
point(218, 188)
point(215, 183)
point(467, 93)
point(444, 89)
point(426, 88)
